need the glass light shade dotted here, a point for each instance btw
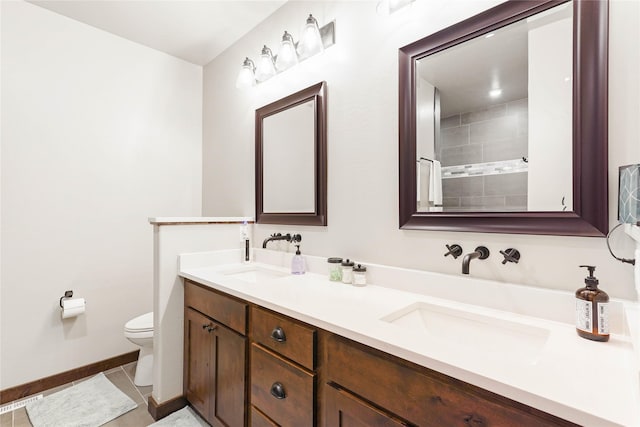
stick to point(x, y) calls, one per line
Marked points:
point(287, 56)
point(246, 78)
point(311, 42)
point(266, 69)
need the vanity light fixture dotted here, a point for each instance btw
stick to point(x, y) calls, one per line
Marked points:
point(314, 40)
point(494, 93)
point(246, 77)
point(287, 56)
point(266, 67)
point(387, 7)
point(311, 41)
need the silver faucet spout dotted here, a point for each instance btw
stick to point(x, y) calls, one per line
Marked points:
point(481, 252)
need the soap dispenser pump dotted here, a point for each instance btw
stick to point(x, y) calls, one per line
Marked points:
point(297, 263)
point(592, 309)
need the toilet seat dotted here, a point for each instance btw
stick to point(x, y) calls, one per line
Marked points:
point(140, 324)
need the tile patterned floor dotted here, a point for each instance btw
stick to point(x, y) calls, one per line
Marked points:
point(122, 377)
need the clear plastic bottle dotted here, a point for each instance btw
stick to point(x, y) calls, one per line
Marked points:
point(245, 246)
point(297, 262)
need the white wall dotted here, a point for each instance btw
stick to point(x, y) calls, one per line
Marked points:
point(362, 81)
point(98, 134)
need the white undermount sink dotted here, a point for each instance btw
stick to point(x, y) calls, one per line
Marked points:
point(253, 273)
point(485, 335)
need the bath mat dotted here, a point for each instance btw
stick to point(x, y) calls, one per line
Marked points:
point(90, 403)
point(185, 417)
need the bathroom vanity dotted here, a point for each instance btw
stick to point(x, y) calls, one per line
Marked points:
point(265, 348)
point(299, 375)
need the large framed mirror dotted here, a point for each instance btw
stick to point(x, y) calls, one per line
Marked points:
point(291, 159)
point(503, 122)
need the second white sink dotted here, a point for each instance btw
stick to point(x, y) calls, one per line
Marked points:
point(488, 336)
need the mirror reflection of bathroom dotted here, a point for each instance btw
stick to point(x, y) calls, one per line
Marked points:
point(494, 121)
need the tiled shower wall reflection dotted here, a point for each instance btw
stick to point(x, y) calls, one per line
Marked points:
point(499, 132)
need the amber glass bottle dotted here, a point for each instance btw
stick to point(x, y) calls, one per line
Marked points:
point(592, 309)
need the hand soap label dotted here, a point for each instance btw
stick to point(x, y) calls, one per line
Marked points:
point(603, 318)
point(584, 315)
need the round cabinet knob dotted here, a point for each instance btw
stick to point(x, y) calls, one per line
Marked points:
point(277, 391)
point(278, 335)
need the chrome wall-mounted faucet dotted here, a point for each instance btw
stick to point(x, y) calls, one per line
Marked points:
point(481, 252)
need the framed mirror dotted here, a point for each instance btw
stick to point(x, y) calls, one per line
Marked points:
point(291, 159)
point(503, 122)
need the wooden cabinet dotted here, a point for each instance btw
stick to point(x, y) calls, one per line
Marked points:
point(283, 380)
point(299, 376)
point(417, 395)
point(215, 357)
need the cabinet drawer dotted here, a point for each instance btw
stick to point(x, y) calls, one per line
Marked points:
point(421, 396)
point(222, 308)
point(286, 336)
point(342, 409)
point(258, 419)
point(281, 390)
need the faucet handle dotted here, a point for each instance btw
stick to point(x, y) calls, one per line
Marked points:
point(510, 255)
point(454, 250)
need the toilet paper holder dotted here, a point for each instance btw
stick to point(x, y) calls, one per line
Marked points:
point(67, 294)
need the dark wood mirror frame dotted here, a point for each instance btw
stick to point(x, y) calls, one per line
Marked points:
point(590, 126)
point(318, 94)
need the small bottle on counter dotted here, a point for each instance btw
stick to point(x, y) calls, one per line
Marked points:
point(347, 271)
point(297, 262)
point(245, 246)
point(359, 275)
point(592, 309)
point(335, 271)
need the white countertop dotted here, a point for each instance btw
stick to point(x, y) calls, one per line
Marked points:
point(182, 220)
point(589, 383)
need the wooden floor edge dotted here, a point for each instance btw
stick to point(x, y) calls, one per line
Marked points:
point(37, 386)
point(161, 410)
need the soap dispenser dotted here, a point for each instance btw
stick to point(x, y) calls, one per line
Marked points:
point(592, 309)
point(297, 263)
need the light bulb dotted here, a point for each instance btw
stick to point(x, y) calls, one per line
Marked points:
point(287, 56)
point(266, 68)
point(311, 42)
point(246, 77)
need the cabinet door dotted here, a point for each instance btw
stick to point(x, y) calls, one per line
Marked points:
point(197, 361)
point(342, 409)
point(214, 374)
point(228, 387)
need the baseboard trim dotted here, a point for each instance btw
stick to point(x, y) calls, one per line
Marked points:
point(37, 386)
point(161, 410)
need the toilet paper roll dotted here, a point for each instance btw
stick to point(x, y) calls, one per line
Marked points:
point(72, 307)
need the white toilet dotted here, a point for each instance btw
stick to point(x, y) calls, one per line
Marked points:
point(139, 331)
